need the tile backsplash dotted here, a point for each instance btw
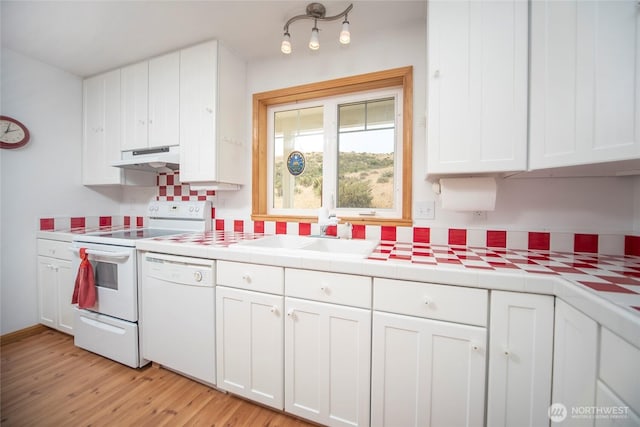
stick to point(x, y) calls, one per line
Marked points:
point(170, 188)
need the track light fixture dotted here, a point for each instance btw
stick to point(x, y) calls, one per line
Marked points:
point(317, 12)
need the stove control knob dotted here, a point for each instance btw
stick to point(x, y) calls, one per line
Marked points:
point(197, 276)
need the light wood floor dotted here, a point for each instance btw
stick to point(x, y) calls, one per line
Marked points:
point(47, 381)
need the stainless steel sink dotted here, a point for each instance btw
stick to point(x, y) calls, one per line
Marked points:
point(320, 247)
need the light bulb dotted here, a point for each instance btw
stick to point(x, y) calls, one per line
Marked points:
point(345, 34)
point(314, 43)
point(285, 47)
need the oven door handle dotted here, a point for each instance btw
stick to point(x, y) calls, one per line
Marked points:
point(105, 254)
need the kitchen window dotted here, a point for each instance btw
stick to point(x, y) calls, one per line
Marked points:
point(344, 144)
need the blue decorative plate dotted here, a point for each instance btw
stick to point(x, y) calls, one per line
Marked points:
point(296, 163)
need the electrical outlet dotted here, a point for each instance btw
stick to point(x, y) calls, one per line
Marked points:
point(425, 210)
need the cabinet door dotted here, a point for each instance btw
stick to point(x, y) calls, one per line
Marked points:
point(65, 281)
point(198, 111)
point(249, 334)
point(135, 102)
point(327, 362)
point(477, 86)
point(164, 80)
point(574, 361)
point(47, 294)
point(585, 82)
point(426, 372)
point(608, 400)
point(521, 346)
point(101, 133)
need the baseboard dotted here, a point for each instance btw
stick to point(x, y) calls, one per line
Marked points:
point(22, 333)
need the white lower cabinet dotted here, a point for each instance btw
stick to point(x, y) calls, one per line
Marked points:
point(327, 362)
point(615, 412)
point(426, 372)
point(575, 362)
point(55, 285)
point(618, 386)
point(520, 362)
point(250, 346)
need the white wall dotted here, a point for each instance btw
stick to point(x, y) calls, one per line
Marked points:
point(636, 214)
point(597, 205)
point(41, 179)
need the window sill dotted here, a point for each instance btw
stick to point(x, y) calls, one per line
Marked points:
point(397, 222)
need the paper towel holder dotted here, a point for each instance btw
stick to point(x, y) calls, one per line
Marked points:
point(436, 187)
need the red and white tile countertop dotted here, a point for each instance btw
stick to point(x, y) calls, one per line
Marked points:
point(605, 287)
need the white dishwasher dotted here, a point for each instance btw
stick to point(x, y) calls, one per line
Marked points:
point(177, 306)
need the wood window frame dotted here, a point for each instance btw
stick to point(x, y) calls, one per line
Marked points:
point(402, 77)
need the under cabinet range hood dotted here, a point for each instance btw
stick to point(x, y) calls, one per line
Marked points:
point(160, 159)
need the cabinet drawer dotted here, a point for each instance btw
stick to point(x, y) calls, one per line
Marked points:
point(619, 361)
point(334, 288)
point(54, 249)
point(442, 302)
point(253, 277)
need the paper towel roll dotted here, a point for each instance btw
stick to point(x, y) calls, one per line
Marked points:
point(468, 194)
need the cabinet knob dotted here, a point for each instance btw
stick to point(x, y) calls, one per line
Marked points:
point(506, 352)
point(274, 309)
point(208, 110)
point(427, 301)
point(141, 122)
point(436, 74)
point(246, 277)
point(291, 313)
point(475, 347)
point(150, 121)
point(324, 289)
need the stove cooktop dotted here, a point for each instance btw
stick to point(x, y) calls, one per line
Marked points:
point(125, 237)
point(140, 233)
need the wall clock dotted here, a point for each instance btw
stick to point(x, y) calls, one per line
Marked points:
point(13, 134)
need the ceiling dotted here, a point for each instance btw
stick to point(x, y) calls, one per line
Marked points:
point(85, 37)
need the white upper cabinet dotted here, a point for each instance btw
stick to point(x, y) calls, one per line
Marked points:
point(101, 129)
point(150, 102)
point(164, 96)
point(212, 113)
point(135, 105)
point(585, 82)
point(477, 55)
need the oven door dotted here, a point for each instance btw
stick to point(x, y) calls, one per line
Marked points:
point(114, 272)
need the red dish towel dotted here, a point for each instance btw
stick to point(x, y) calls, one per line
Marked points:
point(84, 292)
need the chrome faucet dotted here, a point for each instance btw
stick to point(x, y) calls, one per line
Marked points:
point(324, 225)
